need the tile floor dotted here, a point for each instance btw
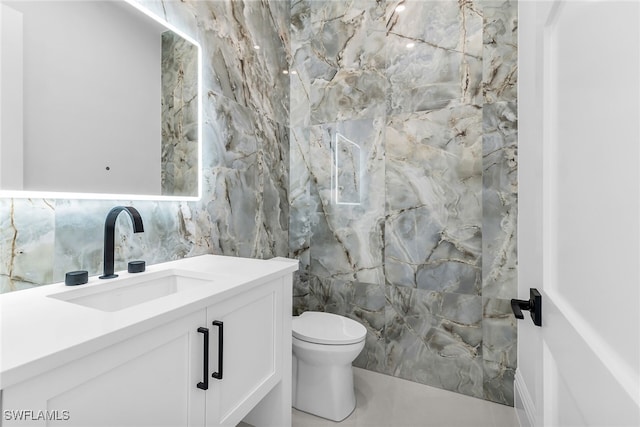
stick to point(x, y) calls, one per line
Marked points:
point(385, 401)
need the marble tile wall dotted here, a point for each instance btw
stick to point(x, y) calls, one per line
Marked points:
point(244, 210)
point(179, 92)
point(424, 256)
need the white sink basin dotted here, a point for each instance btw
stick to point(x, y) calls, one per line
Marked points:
point(118, 294)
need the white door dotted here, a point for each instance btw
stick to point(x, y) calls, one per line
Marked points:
point(579, 233)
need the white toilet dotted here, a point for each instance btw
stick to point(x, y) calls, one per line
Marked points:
point(324, 345)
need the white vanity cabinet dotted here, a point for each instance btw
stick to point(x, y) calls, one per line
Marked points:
point(146, 380)
point(160, 377)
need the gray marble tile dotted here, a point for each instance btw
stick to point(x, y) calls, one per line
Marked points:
point(299, 197)
point(300, 88)
point(369, 309)
point(498, 383)
point(434, 211)
point(195, 226)
point(274, 184)
point(232, 198)
point(472, 61)
point(300, 293)
point(341, 252)
point(301, 54)
point(500, 57)
point(249, 203)
point(235, 212)
point(356, 300)
point(79, 242)
point(434, 54)
point(341, 45)
point(228, 32)
point(347, 173)
point(278, 15)
point(435, 338)
point(233, 131)
point(251, 76)
point(348, 95)
point(499, 350)
point(423, 78)
point(499, 332)
point(268, 24)
point(500, 200)
point(179, 149)
point(27, 233)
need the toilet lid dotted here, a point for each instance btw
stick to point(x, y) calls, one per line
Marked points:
point(327, 328)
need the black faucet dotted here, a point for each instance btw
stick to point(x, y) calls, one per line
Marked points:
point(109, 235)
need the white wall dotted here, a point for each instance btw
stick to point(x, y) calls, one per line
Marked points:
point(91, 98)
point(10, 98)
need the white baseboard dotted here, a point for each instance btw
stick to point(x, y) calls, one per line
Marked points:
point(524, 405)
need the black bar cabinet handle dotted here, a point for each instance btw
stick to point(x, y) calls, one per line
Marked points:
point(204, 385)
point(219, 324)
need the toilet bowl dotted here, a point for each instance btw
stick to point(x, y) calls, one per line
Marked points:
point(324, 345)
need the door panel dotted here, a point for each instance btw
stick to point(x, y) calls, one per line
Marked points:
point(592, 163)
point(580, 190)
point(584, 390)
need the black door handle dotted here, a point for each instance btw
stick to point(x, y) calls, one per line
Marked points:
point(534, 305)
point(218, 375)
point(204, 385)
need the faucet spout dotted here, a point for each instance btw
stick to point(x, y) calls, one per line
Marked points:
point(109, 236)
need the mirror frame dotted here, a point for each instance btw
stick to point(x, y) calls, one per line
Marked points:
point(27, 194)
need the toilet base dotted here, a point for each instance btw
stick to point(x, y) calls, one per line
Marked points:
point(324, 390)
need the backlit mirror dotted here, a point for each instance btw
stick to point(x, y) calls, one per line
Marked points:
point(97, 98)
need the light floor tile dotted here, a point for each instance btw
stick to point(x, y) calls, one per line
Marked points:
point(385, 401)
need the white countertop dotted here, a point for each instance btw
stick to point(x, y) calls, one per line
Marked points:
point(38, 333)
